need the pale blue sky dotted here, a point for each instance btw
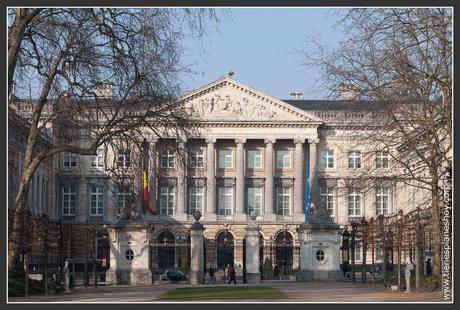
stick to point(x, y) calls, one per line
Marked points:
point(260, 44)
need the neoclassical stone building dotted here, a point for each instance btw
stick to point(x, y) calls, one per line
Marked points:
point(249, 154)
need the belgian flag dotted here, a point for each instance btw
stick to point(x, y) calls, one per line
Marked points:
point(147, 206)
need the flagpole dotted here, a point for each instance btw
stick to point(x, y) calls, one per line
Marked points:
point(307, 191)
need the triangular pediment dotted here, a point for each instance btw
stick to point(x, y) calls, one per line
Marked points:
point(229, 100)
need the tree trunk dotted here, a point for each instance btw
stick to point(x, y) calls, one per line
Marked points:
point(19, 207)
point(436, 228)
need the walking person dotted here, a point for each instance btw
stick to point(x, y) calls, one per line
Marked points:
point(212, 276)
point(231, 274)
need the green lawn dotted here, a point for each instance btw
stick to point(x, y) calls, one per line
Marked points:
point(223, 293)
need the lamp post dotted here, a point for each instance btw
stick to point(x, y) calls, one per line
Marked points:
point(95, 258)
point(86, 255)
point(353, 247)
point(345, 250)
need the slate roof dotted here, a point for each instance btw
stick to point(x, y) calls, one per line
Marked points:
point(334, 105)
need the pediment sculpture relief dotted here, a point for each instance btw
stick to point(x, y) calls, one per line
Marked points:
point(219, 106)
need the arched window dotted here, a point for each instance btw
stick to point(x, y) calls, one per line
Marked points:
point(283, 251)
point(166, 250)
point(225, 249)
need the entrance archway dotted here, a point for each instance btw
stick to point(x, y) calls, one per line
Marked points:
point(284, 251)
point(166, 250)
point(225, 249)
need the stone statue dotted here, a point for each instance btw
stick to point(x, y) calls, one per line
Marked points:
point(407, 273)
point(66, 272)
point(129, 212)
point(253, 217)
point(320, 214)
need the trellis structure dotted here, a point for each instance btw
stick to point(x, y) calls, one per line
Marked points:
point(394, 238)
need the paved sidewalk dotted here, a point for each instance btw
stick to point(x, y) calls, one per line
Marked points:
point(298, 292)
point(348, 292)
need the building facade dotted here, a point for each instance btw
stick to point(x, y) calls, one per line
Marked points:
point(251, 154)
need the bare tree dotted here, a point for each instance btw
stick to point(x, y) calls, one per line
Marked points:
point(400, 59)
point(101, 73)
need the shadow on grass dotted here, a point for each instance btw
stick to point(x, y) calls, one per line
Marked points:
point(223, 293)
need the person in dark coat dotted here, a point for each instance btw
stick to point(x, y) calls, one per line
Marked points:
point(231, 274)
point(276, 271)
point(212, 276)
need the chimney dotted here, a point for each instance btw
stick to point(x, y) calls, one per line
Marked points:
point(297, 96)
point(103, 90)
point(348, 91)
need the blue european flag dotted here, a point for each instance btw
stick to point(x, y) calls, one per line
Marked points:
point(307, 191)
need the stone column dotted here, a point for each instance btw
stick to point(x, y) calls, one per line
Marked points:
point(252, 254)
point(181, 213)
point(211, 180)
point(312, 170)
point(239, 208)
point(342, 203)
point(196, 254)
point(299, 183)
point(269, 209)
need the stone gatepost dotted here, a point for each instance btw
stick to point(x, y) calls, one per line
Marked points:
point(319, 252)
point(129, 254)
point(197, 254)
point(252, 254)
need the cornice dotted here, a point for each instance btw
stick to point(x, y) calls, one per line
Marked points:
point(245, 124)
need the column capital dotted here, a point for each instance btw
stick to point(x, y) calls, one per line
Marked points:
point(270, 141)
point(210, 140)
point(313, 141)
point(240, 140)
point(299, 140)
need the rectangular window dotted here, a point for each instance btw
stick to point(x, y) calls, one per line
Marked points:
point(196, 199)
point(123, 199)
point(225, 201)
point(327, 198)
point(70, 159)
point(354, 159)
point(254, 159)
point(167, 158)
point(98, 160)
point(166, 200)
point(327, 159)
point(283, 159)
point(358, 251)
point(283, 201)
point(382, 200)
point(354, 202)
point(225, 158)
point(381, 160)
point(123, 159)
point(97, 201)
point(69, 197)
point(196, 159)
point(254, 200)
